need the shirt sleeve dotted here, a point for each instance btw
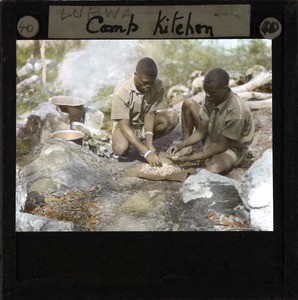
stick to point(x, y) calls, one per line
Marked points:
point(233, 129)
point(158, 97)
point(120, 105)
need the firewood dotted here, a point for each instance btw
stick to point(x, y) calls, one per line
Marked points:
point(254, 95)
point(259, 80)
point(258, 104)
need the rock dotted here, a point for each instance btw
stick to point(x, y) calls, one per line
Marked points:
point(126, 222)
point(29, 222)
point(257, 192)
point(197, 84)
point(258, 174)
point(262, 219)
point(21, 192)
point(62, 165)
point(195, 74)
point(178, 90)
point(93, 120)
point(28, 82)
point(49, 63)
point(204, 191)
point(43, 121)
point(25, 70)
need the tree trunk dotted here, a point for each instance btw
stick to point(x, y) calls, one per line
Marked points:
point(258, 104)
point(43, 62)
point(254, 95)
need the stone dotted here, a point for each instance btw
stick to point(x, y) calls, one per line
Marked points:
point(197, 84)
point(178, 90)
point(49, 63)
point(259, 174)
point(204, 191)
point(93, 120)
point(257, 192)
point(28, 82)
point(61, 165)
point(262, 219)
point(43, 121)
point(28, 222)
point(26, 70)
point(21, 191)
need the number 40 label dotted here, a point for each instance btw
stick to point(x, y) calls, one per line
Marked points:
point(28, 27)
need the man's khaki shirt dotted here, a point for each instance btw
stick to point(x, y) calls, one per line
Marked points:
point(232, 119)
point(129, 104)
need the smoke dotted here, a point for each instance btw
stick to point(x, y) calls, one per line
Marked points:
point(101, 63)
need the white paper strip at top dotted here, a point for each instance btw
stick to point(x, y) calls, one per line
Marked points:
point(129, 22)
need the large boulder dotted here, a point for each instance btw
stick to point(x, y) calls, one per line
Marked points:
point(62, 165)
point(257, 192)
point(204, 192)
point(29, 222)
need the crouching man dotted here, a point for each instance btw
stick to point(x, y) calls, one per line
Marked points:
point(223, 122)
point(138, 112)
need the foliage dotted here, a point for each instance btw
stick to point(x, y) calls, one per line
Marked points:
point(35, 94)
point(23, 53)
point(177, 59)
point(22, 147)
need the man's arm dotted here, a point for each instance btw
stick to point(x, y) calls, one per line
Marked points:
point(132, 138)
point(198, 135)
point(149, 122)
point(223, 145)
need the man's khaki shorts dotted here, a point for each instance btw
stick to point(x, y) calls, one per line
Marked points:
point(139, 130)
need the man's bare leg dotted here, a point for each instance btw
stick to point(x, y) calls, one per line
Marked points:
point(218, 163)
point(165, 122)
point(189, 120)
point(119, 142)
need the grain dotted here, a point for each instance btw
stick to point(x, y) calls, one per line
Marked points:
point(164, 170)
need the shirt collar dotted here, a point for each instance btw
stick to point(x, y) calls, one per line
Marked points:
point(224, 104)
point(133, 86)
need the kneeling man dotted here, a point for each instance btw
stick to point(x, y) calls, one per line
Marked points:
point(223, 122)
point(138, 112)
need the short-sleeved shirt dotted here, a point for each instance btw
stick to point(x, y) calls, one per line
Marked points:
point(129, 104)
point(232, 119)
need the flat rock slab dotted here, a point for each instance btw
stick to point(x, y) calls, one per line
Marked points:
point(203, 192)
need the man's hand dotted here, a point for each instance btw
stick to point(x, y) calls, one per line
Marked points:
point(153, 160)
point(174, 148)
point(181, 159)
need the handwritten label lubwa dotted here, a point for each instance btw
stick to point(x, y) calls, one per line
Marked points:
point(128, 22)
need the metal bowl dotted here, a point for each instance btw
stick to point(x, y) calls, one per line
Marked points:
point(69, 135)
point(73, 106)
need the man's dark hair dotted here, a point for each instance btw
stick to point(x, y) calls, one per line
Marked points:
point(147, 66)
point(217, 75)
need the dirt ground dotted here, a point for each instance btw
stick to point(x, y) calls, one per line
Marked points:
point(135, 204)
